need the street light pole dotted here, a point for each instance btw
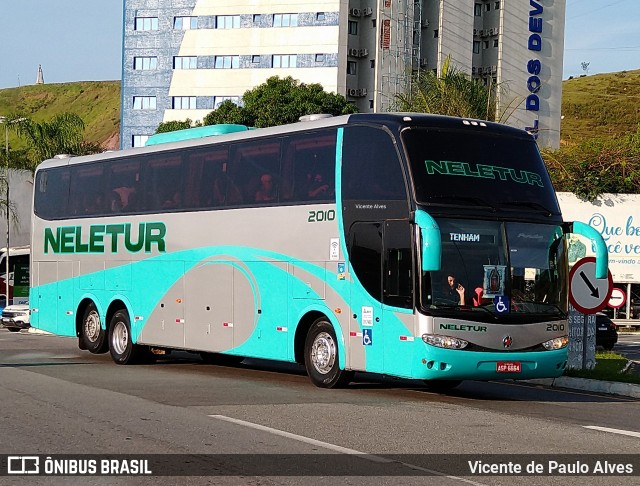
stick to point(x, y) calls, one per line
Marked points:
point(6, 180)
point(4, 120)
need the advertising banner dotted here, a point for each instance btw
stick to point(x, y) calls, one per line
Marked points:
point(617, 219)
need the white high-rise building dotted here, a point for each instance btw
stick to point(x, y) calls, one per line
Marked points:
point(181, 58)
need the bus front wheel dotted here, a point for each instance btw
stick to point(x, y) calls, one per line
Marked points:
point(123, 350)
point(321, 357)
point(94, 338)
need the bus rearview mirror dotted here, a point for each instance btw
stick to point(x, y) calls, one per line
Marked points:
point(602, 255)
point(431, 243)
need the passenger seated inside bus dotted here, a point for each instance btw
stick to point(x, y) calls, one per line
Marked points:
point(266, 192)
point(318, 187)
point(122, 199)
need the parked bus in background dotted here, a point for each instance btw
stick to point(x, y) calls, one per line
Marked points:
point(18, 291)
point(339, 260)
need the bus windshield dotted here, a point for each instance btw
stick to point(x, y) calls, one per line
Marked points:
point(488, 171)
point(514, 270)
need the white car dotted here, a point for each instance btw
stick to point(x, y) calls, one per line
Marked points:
point(16, 317)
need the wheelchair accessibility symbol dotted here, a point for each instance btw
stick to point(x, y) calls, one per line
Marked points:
point(367, 337)
point(501, 304)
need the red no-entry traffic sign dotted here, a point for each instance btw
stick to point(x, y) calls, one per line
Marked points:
point(617, 299)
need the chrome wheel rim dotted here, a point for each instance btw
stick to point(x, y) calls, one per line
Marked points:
point(323, 353)
point(92, 327)
point(120, 337)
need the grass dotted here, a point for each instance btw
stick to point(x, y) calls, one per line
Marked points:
point(602, 105)
point(609, 367)
point(96, 102)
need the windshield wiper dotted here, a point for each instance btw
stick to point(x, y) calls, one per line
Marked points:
point(540, 304)
point(478, 201)
point(529, 204)
point(465, 308)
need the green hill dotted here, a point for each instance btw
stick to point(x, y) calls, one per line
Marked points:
point(602, 105)
point(96, 102)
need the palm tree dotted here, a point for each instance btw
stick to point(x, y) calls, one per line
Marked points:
point(452, 93)
point(61, 135)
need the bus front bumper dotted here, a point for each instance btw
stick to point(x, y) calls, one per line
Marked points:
point(449, 364)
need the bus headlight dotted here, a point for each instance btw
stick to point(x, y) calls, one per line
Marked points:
point(447, 342)
point(556, 343)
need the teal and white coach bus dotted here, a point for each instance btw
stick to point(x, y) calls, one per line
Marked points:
point(331, 243)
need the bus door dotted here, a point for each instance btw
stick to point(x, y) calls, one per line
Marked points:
point(366, 324)
point(397, 296)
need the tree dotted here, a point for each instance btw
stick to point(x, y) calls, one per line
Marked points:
point(63, 134)
point(596, 166)
point(452, 93)
point(279, 101)
point(172, 126)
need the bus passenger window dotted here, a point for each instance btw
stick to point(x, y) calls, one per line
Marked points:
point(371, 167)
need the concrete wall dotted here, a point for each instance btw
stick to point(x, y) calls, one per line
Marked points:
point(21, 197)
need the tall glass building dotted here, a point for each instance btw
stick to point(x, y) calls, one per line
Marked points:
point(181, 58)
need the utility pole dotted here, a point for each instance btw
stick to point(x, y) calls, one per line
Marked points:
point(5, 121)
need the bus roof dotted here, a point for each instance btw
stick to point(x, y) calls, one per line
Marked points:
point(171, 142)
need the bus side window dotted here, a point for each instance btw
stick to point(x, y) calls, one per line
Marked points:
point(309, 166)
point(52, 193)
point(371, 168)
point(255, 162)
point(398, 265)
point(365, 253)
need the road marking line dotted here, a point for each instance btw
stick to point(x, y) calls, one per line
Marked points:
point(337, 448)
point(613, 431)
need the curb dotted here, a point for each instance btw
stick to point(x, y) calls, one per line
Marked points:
point(597, 386)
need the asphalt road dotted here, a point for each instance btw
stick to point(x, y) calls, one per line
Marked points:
point(56, 399)
point(628, 345)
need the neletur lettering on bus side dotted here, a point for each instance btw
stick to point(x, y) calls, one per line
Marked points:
point(69, 239)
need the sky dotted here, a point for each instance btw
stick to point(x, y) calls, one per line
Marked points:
point(603, 33)
point(81, 40)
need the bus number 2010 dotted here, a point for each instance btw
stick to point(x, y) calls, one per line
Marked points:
point(319, 216)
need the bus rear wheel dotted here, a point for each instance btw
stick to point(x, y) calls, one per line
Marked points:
point(123, 350)
point(94, 338)
point(321, 357)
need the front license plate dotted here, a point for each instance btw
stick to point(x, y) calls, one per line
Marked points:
point(508, 367)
